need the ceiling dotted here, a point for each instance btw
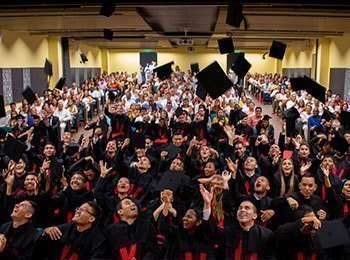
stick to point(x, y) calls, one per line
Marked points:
point(162, 24)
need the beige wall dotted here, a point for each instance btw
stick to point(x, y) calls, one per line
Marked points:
point(296, 58)
point(19, 50)
point(92, 53)
point(129, 60)
point(339, 52)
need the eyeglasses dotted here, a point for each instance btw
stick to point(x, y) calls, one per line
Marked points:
point(80, 209)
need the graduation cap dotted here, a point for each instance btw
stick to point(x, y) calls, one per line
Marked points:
point(277, 50)
point(332, 233)
point(72, 148)
point(226, 45)
point(164, 71)
point(83, 58)
point(214, 80)
point(327, 115)
point(48, 67)
point(178, 112)
point(339, 143)
point(236, 116)
point(29, 95)
point(171, 180)
point(345, 119)
point(195, 67)
point(60, 83)
point(2, 107)
point(201, 92)
point(20, 116)
point(291, 115)
point(311, 87)
point(241, 66)
point(14, 148)
point(172, 150)
point(138, 140)
point(266, 117)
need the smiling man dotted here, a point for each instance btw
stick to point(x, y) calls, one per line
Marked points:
point(132, 237)
point(18, 237)
point(245, 240)
point(82, 238)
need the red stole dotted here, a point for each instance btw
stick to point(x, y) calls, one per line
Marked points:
point(68, 254)
point(128, 255)
point(239, 255)
point(189, 256)
point(247, 187)
point(303, 256)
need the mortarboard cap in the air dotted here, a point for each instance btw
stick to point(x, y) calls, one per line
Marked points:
point(214, 80)
point(241, 66)
point(277, 50)
point(2, 107)
point(72, 148)
point(171, 180)
point(138, 140)
point(201, 92)
point(178, 111)
point(29, 95)
point(236, 116)
point(60, 83)
point(332, 233)
point(195, 67)
point(291, 115)
point(164, 71)
point(172, 150)
point(312, 87)
point(48, 67)
point(14, 148)
point(226, 45)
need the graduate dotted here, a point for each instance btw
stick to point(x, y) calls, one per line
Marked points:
point(244, 240)
point(82, 238)
point(132, 237)
point(18, 237)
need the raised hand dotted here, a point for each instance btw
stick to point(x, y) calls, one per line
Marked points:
point(104, 169)
point(232, 166)
point(206, 195)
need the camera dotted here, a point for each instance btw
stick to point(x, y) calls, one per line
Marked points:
point(259, 138)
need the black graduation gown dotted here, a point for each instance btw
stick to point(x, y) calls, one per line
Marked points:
point(258, 241)
point(120, 124)
point(90, 244)
point(293, 243)
point(314, 202)
point(182, 245)
point(277, 183)
point(21, 241)
point(121, 236)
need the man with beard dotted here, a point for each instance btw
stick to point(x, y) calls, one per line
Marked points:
point(82, 238)
point(132, 237)
point(18, 237)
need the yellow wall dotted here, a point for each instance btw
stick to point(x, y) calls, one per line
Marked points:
point(92, 53)
point(19, 50)
point(120, 60)
point(339, 53)
point(296, 58)
point(259, 64)
point(55, 57)
point(124, 61)
point(323, 62)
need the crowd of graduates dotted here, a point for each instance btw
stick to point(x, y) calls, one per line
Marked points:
point(162, 174)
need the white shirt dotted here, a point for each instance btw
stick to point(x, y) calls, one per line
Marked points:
point(63, 115)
